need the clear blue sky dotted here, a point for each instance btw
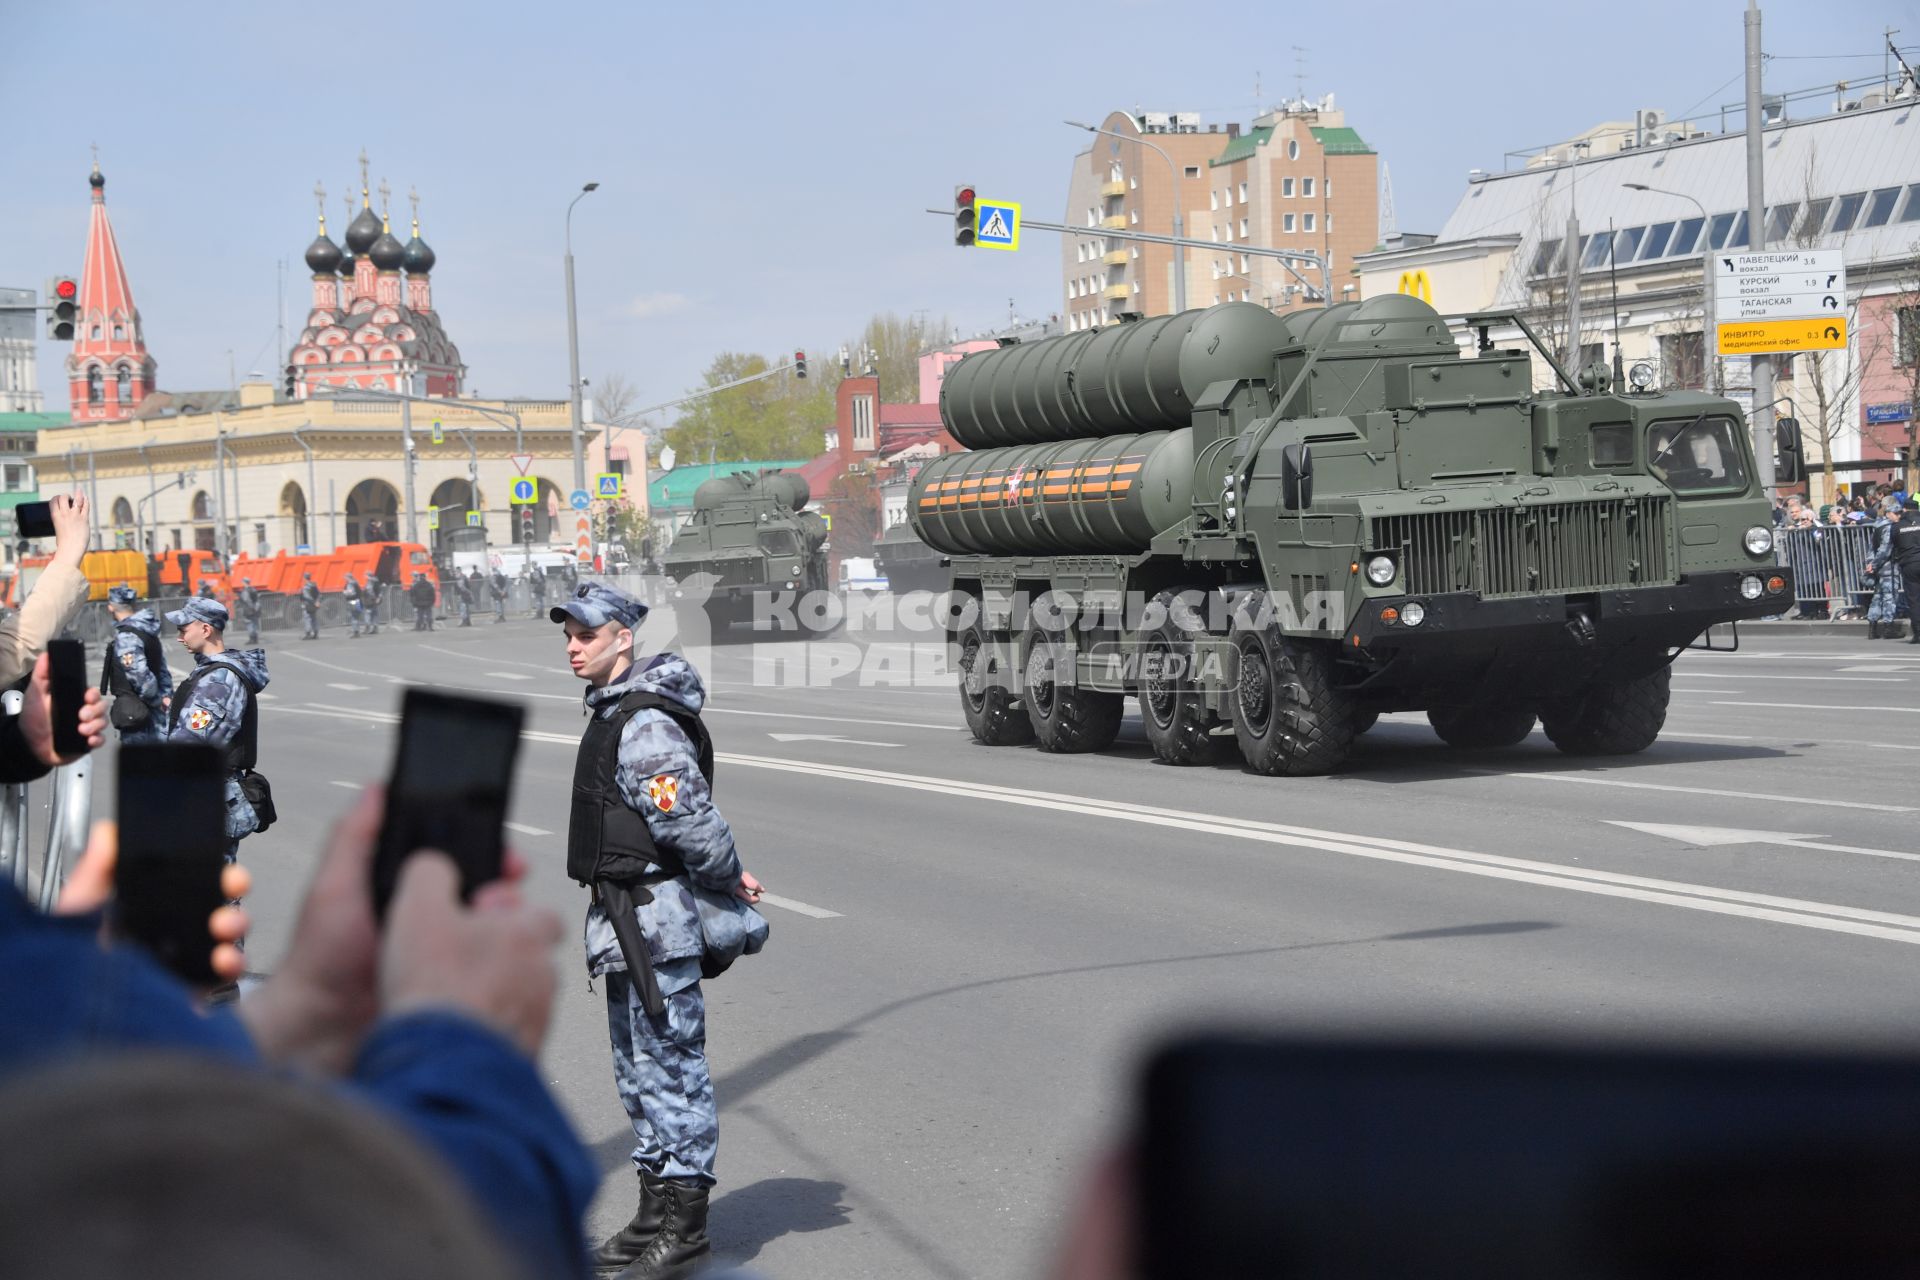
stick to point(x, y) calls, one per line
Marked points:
point(762, 166)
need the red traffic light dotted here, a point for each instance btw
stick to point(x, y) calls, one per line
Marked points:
point(66, 288)
point(963, 196)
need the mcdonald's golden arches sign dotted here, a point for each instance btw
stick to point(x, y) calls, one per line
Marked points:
point(1417, 284)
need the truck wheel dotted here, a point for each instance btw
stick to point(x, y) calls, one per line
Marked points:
point(1065, 718)
point(1481, 728)
point(984, 663)
point(1612, 717)
point(333, 611)
point(1172, 710)
point(295, 616)
point(1289, 714)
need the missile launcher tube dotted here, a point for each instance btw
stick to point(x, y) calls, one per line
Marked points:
point(1107, 494)
point(784, 486)
point(1124, 379)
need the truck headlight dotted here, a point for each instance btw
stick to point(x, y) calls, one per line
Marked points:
point(1750, 587)
point(1380, 570)
point(1759, 540)
point(1413, 613)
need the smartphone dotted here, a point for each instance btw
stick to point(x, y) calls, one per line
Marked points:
point(173, 846)
point(33, 519)
point(1302, 1158)
point(67, 673)
point(452, 776)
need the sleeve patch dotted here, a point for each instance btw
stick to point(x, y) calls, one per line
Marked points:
point(663, 791)
point(199, 719)
point(126, 660)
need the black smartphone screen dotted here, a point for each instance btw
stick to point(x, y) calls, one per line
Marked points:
point(67, 674)
point(1277, 1158)
point(173, 844)
point(34, 519)
point(451, 779)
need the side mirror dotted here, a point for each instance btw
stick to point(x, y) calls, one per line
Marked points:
point(1789, 463)
point(1296, 477)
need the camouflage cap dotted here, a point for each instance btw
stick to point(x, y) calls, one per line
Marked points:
point(594, 604)
point(200, 609)
point(122, 595)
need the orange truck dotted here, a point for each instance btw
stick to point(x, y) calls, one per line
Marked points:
point(391, 562)
point(182, 572)
point(103, 569)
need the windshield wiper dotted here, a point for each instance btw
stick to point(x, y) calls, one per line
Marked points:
point(1673, 443)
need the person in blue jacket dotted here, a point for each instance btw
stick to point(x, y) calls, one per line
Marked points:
point(434, 1020)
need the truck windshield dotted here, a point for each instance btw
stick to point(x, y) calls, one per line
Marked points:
point(779, 542)
point(1697, 455)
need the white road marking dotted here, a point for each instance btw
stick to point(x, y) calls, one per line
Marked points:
point(827, 737)
point(267, 697)
point(348, 671)
point(507, 675)
point(1693, 897)
point(1708, 837)
point(791, 715)
point(1816, 706)
point(1771, 797)
point(1753, 675)
point(1880, 670)
point(350, 688)
point(788, 904)
point(349, 786)
point(526, 830)
point(482, 657)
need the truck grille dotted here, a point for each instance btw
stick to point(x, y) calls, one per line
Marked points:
point(1532, 550)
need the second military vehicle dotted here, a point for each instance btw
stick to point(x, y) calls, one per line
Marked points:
point(749, 549)
point(907, 563)
point(1275, 528)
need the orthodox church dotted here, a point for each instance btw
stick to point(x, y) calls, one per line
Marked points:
point(370, 326)
point(108, 371)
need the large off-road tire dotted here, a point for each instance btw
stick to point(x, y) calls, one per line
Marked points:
point(1065, 718)
point(1481, 728)
point(1611, 717)
point(986, 665)
point(1173, 711)
point(1289, 714)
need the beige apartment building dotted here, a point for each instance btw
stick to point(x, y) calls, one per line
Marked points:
point(1300, 178)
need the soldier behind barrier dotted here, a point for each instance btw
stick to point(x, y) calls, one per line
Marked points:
point(310, 606)
point(217, 705)
point(136, 677)
point(645, 836)
point(248, 599)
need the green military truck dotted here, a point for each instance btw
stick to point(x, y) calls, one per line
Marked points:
point(750, 549)
point(1276, 528)
point(907, 563)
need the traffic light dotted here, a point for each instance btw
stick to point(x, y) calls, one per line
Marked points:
point(63, 308)
point(965, 218)
point(799, 364)
point(292, 383)
point(526, 524)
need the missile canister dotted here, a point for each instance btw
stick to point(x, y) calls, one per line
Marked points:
point(1107, 494)
point(780, 486)
point(1140, 376)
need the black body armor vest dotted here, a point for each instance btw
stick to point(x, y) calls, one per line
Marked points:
point(243, 749)
point(113, 676)
point(606, 838)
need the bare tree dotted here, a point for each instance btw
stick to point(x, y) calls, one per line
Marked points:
point(1900, 336)
point(614, 399)
point(1833, 377)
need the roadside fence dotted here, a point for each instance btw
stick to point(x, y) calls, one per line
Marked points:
point(1829, 565)
point(69, 815)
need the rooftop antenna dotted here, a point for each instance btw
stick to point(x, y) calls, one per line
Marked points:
point(1389, 224)
point(1613, 281)
point(1300, 72)
point(1258, 95)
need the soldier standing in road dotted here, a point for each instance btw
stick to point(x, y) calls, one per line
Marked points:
point(421, 594)
point(469, 588)
point(373, 593)
point(537, 589)
point(216, 705)
point(310, 606)
point(136, 666)
point(249, 600)
point(1906, 554)
point(356, 606)
point(642, 831)
point(205, 590)
point(498, 584)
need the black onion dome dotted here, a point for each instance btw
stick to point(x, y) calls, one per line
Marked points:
point(387, 252)
point(97, 179)
point(324, 256)
point(419, 259)
point(363, 230)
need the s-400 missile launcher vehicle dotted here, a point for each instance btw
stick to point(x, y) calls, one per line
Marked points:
point(749, 549)
point(1276, 528)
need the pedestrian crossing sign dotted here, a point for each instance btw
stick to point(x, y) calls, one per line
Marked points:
point(997, 224)
point(439, 436)
point(433, 518)
point(525, 490)
point(607, 484)
point(474, 519)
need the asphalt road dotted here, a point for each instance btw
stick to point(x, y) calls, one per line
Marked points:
point(973, 945)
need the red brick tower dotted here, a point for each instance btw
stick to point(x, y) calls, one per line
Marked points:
point(109, 372)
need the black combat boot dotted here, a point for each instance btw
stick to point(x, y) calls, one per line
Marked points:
point(680, 1248)
point(1873, 629)
point(619, 1250)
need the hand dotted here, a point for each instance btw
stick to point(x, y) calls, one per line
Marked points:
point(90, 884)
point(748, 890)
point(36, 716)
point(70, 532)
point(491, 960)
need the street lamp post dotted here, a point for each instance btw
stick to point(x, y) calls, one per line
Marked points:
point(573, 352)
point(1179, 217)
point(1706, 269)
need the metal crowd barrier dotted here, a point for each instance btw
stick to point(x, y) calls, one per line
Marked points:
point(69, 815)
point(1829, 563)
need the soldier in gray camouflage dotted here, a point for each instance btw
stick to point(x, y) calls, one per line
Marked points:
point(215, 705)
point(137, 665)
point(641, 838)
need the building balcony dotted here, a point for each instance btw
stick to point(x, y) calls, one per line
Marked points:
point(1120, 290)
point(1117, 258)
point(1118, 187)
point(1115, 221)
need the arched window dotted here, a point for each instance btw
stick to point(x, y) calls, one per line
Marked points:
point(95, 385)
point(124, 384)
point(119, 333)
point(202, 506)
point(122, 513)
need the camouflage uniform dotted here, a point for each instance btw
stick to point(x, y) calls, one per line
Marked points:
point(660, 1063)
point(215, 707)
point(152, 686)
